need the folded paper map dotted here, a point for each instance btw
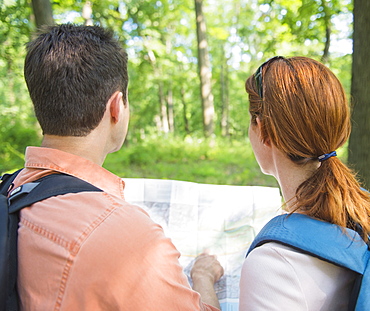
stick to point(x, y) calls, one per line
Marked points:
point(219, 218)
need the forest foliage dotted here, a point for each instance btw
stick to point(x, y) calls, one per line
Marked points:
point(161, 40)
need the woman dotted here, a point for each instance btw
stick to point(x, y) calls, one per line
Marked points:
point(299, 118)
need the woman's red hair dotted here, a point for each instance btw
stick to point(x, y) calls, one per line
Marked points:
point(304, 112)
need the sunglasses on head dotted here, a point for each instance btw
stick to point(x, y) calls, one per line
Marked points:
point(258, 74)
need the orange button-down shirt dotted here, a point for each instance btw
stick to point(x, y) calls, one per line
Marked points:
point(93, 250)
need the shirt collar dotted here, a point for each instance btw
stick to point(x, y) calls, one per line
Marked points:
point(63, 162)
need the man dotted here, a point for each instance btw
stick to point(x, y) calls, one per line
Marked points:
point(92, 251)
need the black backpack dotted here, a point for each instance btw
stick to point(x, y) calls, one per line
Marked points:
point(23, 196)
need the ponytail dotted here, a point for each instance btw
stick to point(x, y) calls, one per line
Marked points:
point(334, 195)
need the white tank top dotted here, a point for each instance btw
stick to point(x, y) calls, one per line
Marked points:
point(277, 277)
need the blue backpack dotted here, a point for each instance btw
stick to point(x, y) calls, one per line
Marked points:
point(326, 241)
point(23, 196)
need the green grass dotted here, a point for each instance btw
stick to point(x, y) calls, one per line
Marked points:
point(222, 161)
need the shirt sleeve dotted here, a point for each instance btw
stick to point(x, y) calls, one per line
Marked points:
point(269, 282)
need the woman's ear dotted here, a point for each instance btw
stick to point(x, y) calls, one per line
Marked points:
point(265, 140)
point(258, 121)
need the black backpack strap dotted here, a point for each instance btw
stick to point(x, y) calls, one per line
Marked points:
point(46, 187)
point(23, 196)
point(6, 182)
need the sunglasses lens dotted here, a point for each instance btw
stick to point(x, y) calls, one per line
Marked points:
point(258, 78)
point(258, 74)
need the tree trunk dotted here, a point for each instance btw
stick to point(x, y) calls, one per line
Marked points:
point(224, 98)
point(163, 108)
point(327, 21)
point(204, 71)
point(185, 110)
point(43, 12)
point(171, 122)
point(87, 13)
point(359, 154)
point(162, 120)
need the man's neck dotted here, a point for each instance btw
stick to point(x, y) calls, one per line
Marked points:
point(80, 146)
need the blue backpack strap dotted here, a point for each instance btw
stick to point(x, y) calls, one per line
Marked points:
point(340, 246)
point(363, 301)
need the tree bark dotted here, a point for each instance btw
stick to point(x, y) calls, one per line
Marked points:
point(224, 98)
point(43, 12)
point(205, 74)
point(170, 110)
point(327, 21)
point(162, 121)
point(359, 143)
point(185, 111)
point(87, 13)
point(163, 108)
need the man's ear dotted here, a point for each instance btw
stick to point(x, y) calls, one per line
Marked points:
point(266, 141)
point(115, 106)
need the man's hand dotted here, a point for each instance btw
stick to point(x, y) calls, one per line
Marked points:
point(206, 271)
point(207, 267)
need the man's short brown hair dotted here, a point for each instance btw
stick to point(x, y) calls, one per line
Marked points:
point(71, 71)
